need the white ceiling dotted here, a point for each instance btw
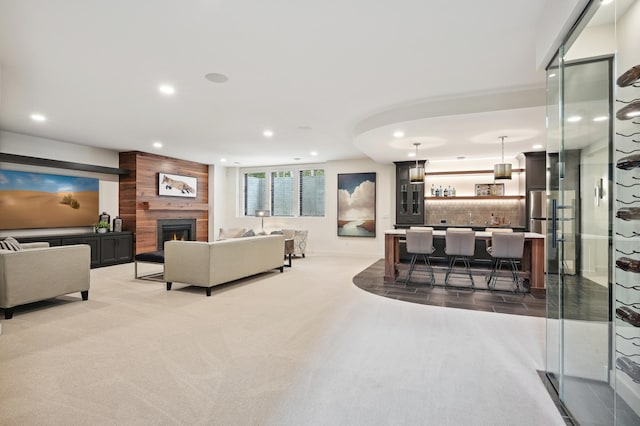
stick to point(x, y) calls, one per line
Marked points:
point(351, 71)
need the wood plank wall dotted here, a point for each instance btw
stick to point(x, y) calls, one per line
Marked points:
point(141, 185)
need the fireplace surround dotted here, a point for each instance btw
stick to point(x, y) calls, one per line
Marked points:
point(175, 229)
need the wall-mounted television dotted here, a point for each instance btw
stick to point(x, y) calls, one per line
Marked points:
point(39, 200)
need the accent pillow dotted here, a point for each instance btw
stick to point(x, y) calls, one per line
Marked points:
point(10, 243)
point(249, 233)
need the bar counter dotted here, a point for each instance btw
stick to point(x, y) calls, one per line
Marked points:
point(532, 258)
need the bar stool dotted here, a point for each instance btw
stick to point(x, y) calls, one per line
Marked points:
point(506, 248)
point(460, 244)
point(488, 243)
point(420, 243)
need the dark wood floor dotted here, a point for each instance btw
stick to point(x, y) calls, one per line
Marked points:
point(456, 295)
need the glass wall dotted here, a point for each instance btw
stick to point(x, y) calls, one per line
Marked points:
point(592, 239)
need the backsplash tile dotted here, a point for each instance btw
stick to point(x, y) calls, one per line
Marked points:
point(475, 212)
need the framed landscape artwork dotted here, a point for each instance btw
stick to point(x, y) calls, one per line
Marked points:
point(357, 205)
point(38, 200)
point(177, 186)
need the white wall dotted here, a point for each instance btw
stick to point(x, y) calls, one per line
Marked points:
point(323, 236)
point(31, 146)
point(557, 19)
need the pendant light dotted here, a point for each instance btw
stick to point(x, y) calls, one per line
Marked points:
point(416, 174)
point(502, 170)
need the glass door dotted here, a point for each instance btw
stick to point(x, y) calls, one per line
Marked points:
point(579, 217)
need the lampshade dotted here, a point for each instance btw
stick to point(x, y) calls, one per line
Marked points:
point(416, 174)
point(502, 170)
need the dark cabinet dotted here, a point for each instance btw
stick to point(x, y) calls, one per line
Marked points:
point(93, 241)
point(106, 249)
point(409, 196)
point(115, 248)
point(536, 170)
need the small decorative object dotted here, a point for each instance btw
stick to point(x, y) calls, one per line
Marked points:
point(177, 186)
point(102, 227)
point(104, 217)
point(117, 224)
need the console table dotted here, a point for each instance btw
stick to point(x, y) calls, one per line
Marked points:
point(110, 248)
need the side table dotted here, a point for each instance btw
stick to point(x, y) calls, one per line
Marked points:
point(288, 250)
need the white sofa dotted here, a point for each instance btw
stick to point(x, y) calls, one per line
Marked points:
point(39, 272)
point(207, 264)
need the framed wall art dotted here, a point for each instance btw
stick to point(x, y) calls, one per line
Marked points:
point(357, 205)
point(177, 186)
point(489, 189)
point(39, 200)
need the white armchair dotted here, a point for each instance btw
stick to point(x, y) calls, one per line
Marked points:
point(40, 272)
point(299, 240)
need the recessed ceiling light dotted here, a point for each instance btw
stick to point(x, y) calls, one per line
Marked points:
point(166, 89)
point(600, 118)
point(552, 75)
point(314, 153)
point(398, 134)
point(216, 77)
point(606, 1)
point(297, 158)
point(223, 160)
point(38, 117)
point(537, 146)
point(157, 144)
point(574, 119)
point(460, 158)
point(304, 127)
point(267, 133)
point(411, 154)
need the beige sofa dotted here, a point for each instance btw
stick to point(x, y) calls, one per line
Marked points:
point(206, 265)
point(40, 272)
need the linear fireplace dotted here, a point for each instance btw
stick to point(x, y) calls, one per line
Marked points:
point(175, 229)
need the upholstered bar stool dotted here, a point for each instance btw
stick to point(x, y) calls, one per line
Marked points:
point(506, 248)
point(420, 243)
point(488, 243)
point(460, 244)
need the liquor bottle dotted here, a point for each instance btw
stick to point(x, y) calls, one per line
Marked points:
point(453, 192)
point(433, 190)
point(439, 191)
point(446, 192)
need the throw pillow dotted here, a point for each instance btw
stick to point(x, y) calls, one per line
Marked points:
point(249, 233)
point(10, 243)
point(277, 233)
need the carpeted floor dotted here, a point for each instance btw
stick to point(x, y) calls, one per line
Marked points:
point(303, 347)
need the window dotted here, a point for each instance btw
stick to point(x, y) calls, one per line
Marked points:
point(312, 192)
point(282, 193)
point(288, 192)
point(254, 193)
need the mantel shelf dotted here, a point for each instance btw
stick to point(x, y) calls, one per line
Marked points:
point(468, 172)
point(173, 205)
point(487, 197)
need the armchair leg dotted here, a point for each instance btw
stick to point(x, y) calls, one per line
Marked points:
point(208, 291)
point(169, 285)
point(8, 313)
point(85, 294)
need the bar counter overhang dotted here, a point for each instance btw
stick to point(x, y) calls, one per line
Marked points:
point(532, 258)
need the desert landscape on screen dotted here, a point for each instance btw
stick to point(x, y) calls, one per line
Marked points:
point(22, 209)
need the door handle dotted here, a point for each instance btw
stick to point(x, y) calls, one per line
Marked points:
point(554, 217)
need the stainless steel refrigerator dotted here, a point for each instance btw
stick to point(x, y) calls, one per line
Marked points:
point(538, 212)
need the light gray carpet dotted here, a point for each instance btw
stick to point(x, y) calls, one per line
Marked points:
point(306, 347)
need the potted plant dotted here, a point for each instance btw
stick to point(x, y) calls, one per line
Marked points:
point(102, 227)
